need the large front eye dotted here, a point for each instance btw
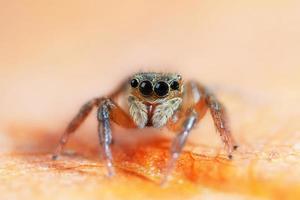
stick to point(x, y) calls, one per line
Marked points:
point(161, 88)
point(146, 88)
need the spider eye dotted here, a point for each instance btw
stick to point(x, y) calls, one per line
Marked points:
point(161, 88)
point(175, 85)
point(134, 83)
point(146, 88)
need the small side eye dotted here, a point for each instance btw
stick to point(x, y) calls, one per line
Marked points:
point(179, 77)
point(134, 83)
point(174, 85)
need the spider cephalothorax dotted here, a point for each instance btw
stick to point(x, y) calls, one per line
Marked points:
point(157, 100)
point(154, 98)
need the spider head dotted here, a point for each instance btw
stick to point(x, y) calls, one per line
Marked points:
point(156, 87)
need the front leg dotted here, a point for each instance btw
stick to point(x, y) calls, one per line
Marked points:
point(109, 111)
point(202, 100)
point(116, 114)
point(179, 142)
point(104, 132)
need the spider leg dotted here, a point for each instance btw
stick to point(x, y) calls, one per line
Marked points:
point(219, 116)
point(178, 143)
point(190, 114)
point(199, 101)
point(104, 132)
point(109, 111)
point(74, 124)
point(220, 119)
point(122, 119)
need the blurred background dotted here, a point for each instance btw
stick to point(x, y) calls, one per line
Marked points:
point(55, 55)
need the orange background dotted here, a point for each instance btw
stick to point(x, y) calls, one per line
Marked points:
point(89, 46)
point(55, 55)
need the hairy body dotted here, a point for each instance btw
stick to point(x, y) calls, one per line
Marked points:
point(154, 100)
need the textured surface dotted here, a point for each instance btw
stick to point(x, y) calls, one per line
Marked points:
point(54, 56)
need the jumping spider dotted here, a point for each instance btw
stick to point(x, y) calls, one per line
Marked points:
point(154, 100)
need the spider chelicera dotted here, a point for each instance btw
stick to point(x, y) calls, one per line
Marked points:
point(154, 100)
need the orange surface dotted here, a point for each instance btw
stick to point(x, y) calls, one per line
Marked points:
point(55, 55)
